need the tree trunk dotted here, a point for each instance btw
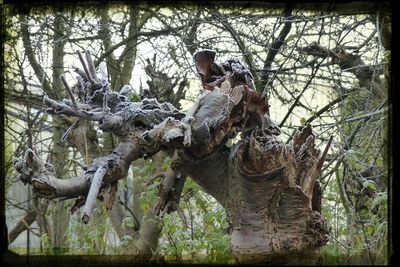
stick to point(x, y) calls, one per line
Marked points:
point(60, 216)
point(59, 153)
point(269, 206)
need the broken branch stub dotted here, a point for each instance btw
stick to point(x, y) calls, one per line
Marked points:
point(93, 192)
point(91, 67)
point(86, 69)
point(70, 94)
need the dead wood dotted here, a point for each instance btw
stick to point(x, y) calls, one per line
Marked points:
point(267, 187)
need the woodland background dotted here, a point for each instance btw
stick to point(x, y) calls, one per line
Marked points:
point(330, 69)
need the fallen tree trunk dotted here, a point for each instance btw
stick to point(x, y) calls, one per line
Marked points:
point(266, 187)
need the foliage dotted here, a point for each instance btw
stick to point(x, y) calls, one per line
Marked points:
point(203, 236)
point(92, 239)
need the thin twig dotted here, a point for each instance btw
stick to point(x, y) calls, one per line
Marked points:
point(294, 104)
point(67, 132)
point(160, 174)
point(137, 224)
point(80, 164)
point(177, 255)
point(182, 215)
point(69, 91)
point(322, 159)
point(325, 108)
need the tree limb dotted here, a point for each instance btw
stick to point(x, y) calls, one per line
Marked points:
point(40, 73)
point(93, 191)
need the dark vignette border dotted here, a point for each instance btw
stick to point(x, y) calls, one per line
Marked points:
point(344, 8)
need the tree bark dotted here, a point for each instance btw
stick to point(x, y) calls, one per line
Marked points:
point(270, 204)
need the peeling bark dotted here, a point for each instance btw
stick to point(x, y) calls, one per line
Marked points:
point(282, 220)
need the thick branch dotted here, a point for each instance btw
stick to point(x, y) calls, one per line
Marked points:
point(47, 185)
point(22, 225)
point(91, 67)
point(86, 69)
point(351, 63)
point(64, 109)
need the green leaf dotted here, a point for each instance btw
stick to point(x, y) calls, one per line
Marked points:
point(370, 229)
point(369, 184)
point(225, 225)
point(133, 96)
point(128, 222)
point(166, 163)
point(379, 198)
